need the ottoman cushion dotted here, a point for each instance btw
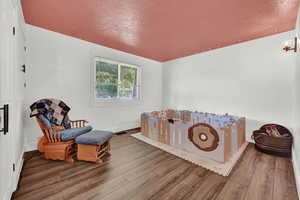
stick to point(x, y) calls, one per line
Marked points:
point(94, 138)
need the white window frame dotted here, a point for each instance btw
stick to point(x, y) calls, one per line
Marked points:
point(99, 101)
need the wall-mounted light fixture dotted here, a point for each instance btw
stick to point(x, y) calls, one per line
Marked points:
point(288, 47)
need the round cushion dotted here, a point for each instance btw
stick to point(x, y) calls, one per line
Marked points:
point(204, 136)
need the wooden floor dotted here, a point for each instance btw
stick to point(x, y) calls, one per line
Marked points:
point(139, 171)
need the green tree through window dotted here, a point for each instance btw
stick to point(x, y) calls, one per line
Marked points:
point(114, 80)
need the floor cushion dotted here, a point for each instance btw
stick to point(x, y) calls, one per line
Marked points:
point(94, 138)
point(72, 133)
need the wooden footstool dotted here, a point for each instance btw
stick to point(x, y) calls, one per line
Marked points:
point(93, 145)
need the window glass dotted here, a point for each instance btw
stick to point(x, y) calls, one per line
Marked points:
point(128, 82)
point(115, 80)
point(106, 80)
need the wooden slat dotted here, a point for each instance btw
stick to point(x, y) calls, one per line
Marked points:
point(55, 135)
point(241, 176)
point(51, 131)
point(284, 181)
point(211, 186)
point(78, 123)
point(59, 138)
point(261, 186)
point(49, 135)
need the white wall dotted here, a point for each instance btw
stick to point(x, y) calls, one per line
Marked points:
point(251, 79)
point(59, 67)
point(296, 110)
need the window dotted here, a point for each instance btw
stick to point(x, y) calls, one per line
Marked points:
point(115, 80)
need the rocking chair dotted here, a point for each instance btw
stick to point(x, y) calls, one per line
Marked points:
point(51, 144)
point(57, 142)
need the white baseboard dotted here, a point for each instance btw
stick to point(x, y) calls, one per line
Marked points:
point(296, 171)
point(124, 126)
point(16, 177)
point(18, 171)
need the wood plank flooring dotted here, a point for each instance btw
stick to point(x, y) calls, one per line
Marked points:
point(138, 171)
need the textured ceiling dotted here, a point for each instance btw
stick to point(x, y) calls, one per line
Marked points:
point(163, 29)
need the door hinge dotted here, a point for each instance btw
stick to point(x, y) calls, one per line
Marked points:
point(23, 68)
point(14, 30)
point(14, 167)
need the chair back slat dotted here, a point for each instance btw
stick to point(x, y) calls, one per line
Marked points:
point(58, 136)
point(52, 133)
point(47, 135)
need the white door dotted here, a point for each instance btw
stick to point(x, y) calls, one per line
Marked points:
point(6, 155)
point(6, 149)
point(18, 84)
point(11, 96)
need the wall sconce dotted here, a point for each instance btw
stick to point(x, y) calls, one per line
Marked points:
point(288, 47)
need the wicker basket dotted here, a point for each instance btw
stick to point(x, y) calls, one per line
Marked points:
point(280, 146)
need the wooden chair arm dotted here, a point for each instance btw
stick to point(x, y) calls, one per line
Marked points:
point(53, 133)
point(78, 123)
